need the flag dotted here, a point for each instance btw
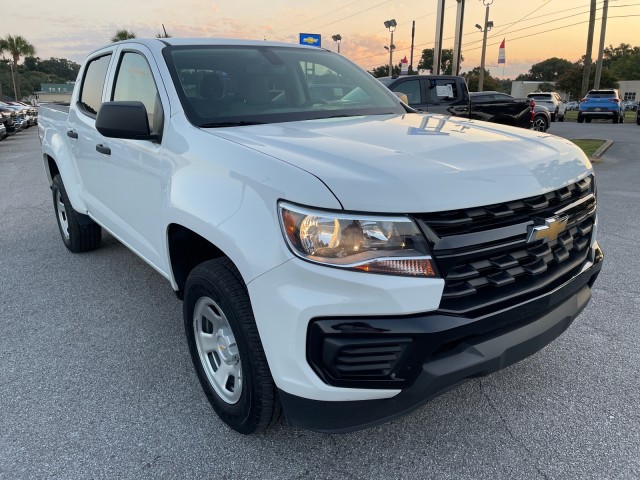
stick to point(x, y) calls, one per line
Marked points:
point(501, 54)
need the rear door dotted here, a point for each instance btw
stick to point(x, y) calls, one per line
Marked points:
point(81, 132)
point(447, 95)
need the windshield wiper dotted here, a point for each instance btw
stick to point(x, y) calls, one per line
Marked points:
point(228, 124)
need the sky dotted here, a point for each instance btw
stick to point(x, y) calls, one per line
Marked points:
point(534, 30)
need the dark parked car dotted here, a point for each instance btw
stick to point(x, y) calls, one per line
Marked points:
point(605, 104)
point(502, 108)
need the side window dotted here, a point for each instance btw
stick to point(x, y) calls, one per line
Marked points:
point(411, 88)
point(93, 84)
point(442, 90)
point(134, 82)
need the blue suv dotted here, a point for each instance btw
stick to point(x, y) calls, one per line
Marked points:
point(604, 104)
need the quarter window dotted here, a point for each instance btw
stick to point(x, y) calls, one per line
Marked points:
point(93, 84)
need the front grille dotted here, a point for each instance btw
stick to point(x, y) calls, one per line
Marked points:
point(457, 222)
point(486, 261)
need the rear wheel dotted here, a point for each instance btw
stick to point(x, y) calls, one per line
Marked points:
point(588, 120)
point(226, 349)
point(540, 123)
point(77, 237)
point(580, 118)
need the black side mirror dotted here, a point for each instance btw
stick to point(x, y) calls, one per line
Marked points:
point(127, 120)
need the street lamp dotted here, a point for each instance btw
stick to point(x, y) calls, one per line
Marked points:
point(338, 39)
point(488, 25)
point(391, 25)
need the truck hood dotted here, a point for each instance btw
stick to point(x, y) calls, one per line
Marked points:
point(418, 163)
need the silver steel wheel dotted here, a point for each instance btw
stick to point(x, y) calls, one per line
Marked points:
point(62, 215)
point(217, 349)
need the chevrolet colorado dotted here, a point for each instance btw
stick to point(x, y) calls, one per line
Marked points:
point(341, 260)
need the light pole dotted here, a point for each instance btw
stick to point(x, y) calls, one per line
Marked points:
point(487, 26)
point(391, 25)
point(338, 39)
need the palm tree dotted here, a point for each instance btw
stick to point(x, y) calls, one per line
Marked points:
point(122, 34)
point(17, 47)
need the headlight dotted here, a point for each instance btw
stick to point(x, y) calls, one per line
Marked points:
point(375, 244)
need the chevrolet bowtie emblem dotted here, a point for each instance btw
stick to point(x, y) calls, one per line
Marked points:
point(548, 231)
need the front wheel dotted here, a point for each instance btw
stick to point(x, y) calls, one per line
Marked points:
point(226, 349)
point(77, 236)
point(616, 118)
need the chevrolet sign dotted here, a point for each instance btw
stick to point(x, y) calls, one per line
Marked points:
point(313, 39)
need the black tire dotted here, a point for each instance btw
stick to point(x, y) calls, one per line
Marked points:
point(540, 123)
point(217, 285)
point(588, 120)
point(553, 117)
point(580, 118)
point(77, 237)
point(561, 119)
point(638, 119)
point(616, 118)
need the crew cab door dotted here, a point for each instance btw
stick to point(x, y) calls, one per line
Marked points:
point(135, 173)
point(81, 133)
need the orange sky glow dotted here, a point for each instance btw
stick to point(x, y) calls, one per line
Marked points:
point(534, 30)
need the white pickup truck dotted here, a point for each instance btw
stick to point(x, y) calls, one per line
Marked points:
point(342, 258)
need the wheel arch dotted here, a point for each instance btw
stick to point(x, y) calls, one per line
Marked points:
point(187, 249)
point(50, 167)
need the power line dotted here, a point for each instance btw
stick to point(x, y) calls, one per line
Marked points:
point(316, 18)
point(530, 35)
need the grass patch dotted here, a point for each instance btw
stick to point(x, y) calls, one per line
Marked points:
point(589, 146)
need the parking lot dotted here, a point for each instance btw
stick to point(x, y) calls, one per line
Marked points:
point(96, 379)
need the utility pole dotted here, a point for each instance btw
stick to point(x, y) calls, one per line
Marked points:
point(413, 36)
point(457, 42)
point(437, 47)
point(587, 57)
point(603, 31)
point(487, 26)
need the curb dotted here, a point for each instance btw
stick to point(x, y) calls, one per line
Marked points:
point(601, 150)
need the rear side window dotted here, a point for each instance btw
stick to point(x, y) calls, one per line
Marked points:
point(440, 90)
point(93, 84)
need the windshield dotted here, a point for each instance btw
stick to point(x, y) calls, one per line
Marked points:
point(225, 85)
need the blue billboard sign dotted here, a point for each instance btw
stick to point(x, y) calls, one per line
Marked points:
point(313, 39)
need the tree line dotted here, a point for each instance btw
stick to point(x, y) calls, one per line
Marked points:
point(18, 81)
point(619, 63)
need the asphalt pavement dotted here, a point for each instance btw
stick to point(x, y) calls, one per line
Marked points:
point(96, 380)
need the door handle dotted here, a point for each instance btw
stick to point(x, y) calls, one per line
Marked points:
point(102, 149)
point(72, 134)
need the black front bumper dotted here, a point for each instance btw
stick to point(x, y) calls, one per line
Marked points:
point(426, 355)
